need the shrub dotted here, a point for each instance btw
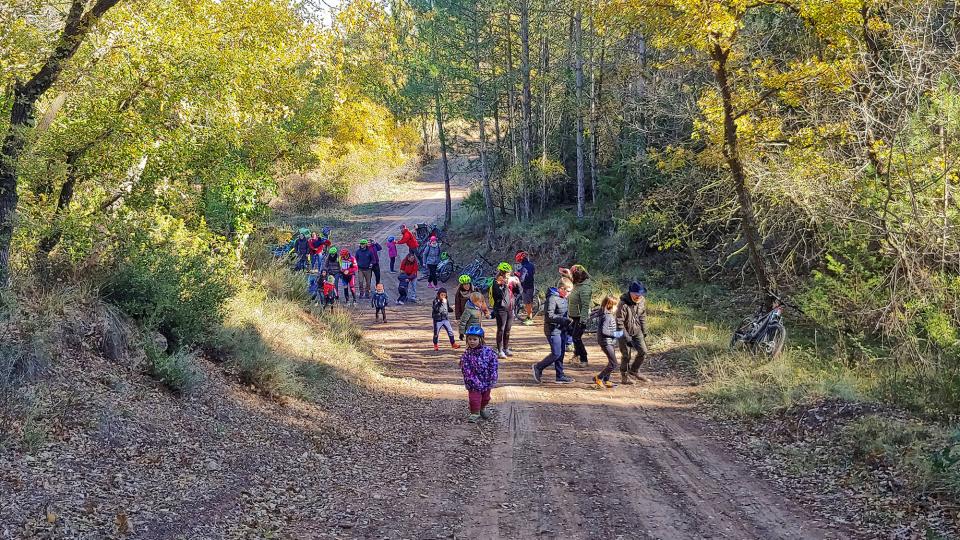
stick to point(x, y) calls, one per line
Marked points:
point(171, 277)
point(178, 371)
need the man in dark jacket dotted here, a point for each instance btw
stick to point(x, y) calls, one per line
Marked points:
point(364, 257)
point(375, 248)
point(302, 248)
point(556, 324)
point(528, 274)
point(632, 321)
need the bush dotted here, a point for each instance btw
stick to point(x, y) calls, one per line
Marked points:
point(178, 371)
point(170, 277)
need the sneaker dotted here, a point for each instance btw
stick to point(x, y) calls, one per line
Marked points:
point(455, 345)
point(502, 355)
point(625, 379)
point(486, 413)
point(508, 352)
point(583, 363)
point(399, 302)
point(609, 384)
point(564, 380)
point(537, 373)
point(436, 347)
point(528, 322)
point(598, 383)
point(640, 377)
point(473, 418)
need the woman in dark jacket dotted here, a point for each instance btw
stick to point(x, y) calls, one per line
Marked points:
point(504, 292)
point(556, 325)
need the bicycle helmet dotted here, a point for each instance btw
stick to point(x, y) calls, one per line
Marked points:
point(391, 239)
point(464, 279)
point(364, 242)
point(444, 256)
point(332, 250)
point(504, 267)
point(325, 231)
point(521, 255)
point(475, 331)
point(344, 252)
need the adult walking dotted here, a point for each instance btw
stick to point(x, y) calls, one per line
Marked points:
point(302, 248)
point(409, 239)
point(317, 250)
point(581, 301)
point(375, 248)
point(528, 273)
point(556, 324)
point(632, 321)
point(364, 257)
point(431, 257)
point(503, 293)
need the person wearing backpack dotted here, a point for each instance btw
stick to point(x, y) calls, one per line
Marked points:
point(556, 325)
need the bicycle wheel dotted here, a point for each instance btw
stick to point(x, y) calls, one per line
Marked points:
point(593, 322)
point(774, 340)
point(445, 271)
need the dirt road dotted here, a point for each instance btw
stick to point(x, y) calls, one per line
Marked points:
point(568, 461)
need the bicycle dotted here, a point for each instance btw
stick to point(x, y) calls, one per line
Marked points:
point(446, 267)
point(593, 321)
point(478, 268)
point(765, 331)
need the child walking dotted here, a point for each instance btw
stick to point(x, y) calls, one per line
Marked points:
point(607, 336)
point(348, 276)
point(315, 286)
point(392, 252)
point(330, 292)
point(379, 303)
point(480, 371)
point(441, 319)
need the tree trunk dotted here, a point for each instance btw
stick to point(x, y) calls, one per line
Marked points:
point(595, 87)
point(25, 96)
point(491, 218)
point(731, 152)
point(511, 95)
point(544, 98)
point(448, 209)
point(526, 98)
point(578, 72)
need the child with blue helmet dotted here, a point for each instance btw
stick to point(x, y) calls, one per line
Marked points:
point(480, 368)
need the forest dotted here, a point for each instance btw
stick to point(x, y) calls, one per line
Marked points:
point(153, 150)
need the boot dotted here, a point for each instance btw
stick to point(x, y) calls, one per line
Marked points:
point(625, 379)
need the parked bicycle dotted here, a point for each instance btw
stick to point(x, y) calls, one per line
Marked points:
point(765, 331)
point(446, 267)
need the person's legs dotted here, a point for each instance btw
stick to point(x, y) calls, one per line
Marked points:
point(412, 289)
point(449, 328)
point(365, 283)
point(549, 359)
point(433, 274)
point(640, 354)
point(611, 353)
point(393, 264)
point(475, 398)
point(579, 349)
point(507, 325)
point(560, 352)
point(436, 332)
point(376, 273)
point(624, 356)
point(501, 317)
point(484, 399)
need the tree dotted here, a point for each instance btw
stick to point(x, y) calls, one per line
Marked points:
point(78, 23)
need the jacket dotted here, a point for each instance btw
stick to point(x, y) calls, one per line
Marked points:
point(316, 245)
point(301, 246)
point(313, 285)
point(364, 257)
point(581, 300)
point(480, 368)
point(470, 317)
point(409, 240)
point(632, 316)
point(460, 301)
point(409, 267)
point(330, 290)
point(606, 327)
point(431, 254)
point(528, 273)
point(375, 250)
point(503, 297)
point(332, 265)
point(392, 249)
point(441, 310)
point(403, 282)
point(348, 266)
point(556, 318)
point(379, 300)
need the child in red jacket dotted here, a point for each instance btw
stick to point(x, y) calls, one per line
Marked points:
point(410, 268)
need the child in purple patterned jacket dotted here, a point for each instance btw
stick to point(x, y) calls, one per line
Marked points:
point(480, 366)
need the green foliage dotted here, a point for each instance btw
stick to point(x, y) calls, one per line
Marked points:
point(177, 371)
point(170, 277)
